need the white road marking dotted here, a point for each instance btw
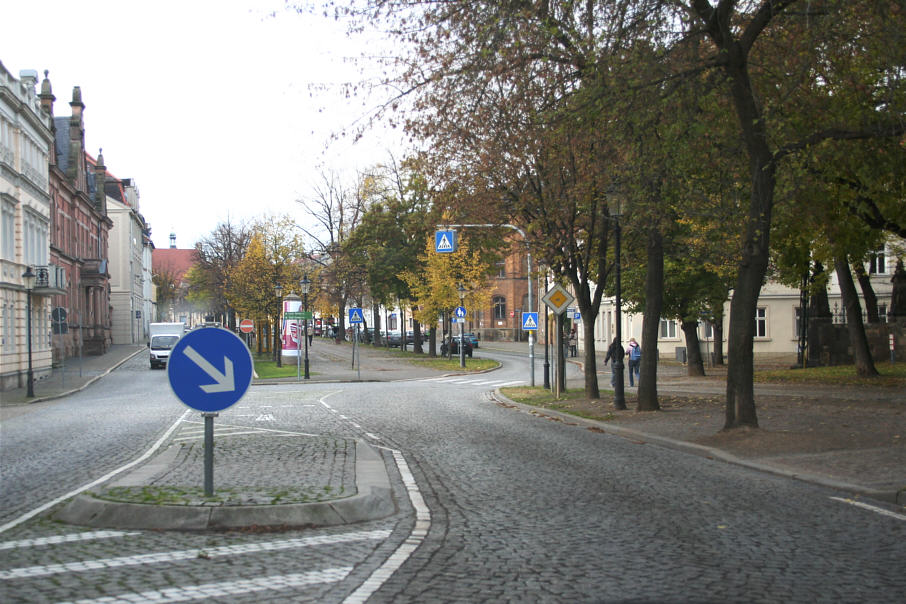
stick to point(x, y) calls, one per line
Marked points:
point(402, 553)
point(266, 417)
point(190, 554)
point(101, 480)
point(872, 508)
point(70, 538)
point(226, 589)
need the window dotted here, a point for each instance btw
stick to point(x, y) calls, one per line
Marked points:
point(761, 322)
point(8, 232)
point(35, 244)
point(882, 313)
point(668, 328)
point(501, 270)
point(877, 264)
point(8, 310)
point(499, 303)
point(709, 330)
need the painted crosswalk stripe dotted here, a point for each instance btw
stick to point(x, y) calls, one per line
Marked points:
point(70, 538)
point(173, 556)
point(226, 589)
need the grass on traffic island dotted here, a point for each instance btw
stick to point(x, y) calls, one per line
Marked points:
point(266, 367)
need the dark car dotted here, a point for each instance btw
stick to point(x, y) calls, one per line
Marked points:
point(454, 348)
point(472, 339)
point(393, 339)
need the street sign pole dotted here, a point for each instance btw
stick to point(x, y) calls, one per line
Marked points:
point(209, 453)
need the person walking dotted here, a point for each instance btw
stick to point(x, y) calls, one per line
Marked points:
point(614, 352)
point(635, 360)
point(573, 343)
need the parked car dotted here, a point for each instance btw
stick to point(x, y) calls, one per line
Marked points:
point(454, 347)
point(472, 339)
point(393, 339)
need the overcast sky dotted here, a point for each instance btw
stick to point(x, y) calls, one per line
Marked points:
point(207, 104)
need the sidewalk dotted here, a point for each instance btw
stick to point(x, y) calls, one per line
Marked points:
point(853, 440)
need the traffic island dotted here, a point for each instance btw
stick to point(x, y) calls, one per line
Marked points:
point(158, 496)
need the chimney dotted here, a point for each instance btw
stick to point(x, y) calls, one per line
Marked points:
point(172, 241)
point(100, 179)
point(46, 96)
point(75, 167)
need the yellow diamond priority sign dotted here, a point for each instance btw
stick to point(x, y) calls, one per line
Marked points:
point(558, 299)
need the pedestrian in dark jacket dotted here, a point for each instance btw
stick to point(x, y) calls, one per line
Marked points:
point(614, 352)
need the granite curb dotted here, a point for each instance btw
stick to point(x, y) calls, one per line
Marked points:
point(373, 500)
point(888, 496)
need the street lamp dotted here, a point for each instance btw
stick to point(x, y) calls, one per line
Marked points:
point(278, 348)
point(29, 278)
point(462, 343)
point(619, 395)
point(304, 286)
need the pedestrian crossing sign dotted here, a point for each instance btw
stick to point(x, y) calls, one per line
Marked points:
point(355, 316)
point(529, 321)
point(445, 242)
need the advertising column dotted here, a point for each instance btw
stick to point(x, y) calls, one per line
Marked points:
point(291, 330)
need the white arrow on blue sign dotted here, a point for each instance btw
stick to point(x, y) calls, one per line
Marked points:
point(210, 369)
point(529, 321)
point(355, 315)
point(444, 242)
point(460, 312)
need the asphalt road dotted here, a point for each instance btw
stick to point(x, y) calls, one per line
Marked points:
point(495, 505)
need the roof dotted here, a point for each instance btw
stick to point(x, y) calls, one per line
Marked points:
point(172, 260)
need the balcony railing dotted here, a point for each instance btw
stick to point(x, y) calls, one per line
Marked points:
point(51, 279)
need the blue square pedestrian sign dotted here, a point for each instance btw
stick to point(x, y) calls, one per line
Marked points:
point(445, 241)
point(355, 316)
point(529, 321)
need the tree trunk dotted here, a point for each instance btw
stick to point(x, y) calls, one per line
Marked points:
point(591, 364)
point(376, 313)
point(694, 365)
point(868, 293)
point(432, 342)
point(865, 366)
point(417, 337)
point(718, 340)
point(654, 302)
point(740, 409)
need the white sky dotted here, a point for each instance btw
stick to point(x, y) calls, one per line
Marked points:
point(206, 104)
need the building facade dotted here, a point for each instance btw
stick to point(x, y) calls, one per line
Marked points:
point(129, 238)
point(79, 238)
point(26, 140)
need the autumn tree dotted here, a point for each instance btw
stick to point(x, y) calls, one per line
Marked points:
point(436, 285)
point(218, 254)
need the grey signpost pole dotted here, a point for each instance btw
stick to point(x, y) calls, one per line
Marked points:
point(209, 453)
point(528, 255)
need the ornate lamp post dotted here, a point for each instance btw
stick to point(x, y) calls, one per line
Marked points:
point(278, 291)
point(304, 286)
point(29, 278)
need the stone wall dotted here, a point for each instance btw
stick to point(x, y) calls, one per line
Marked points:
point(829, 342)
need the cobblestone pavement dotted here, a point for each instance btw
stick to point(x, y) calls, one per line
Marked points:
point(492, 505)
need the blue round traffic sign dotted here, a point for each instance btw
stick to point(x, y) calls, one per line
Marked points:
point(210, 369)
point(460, 312)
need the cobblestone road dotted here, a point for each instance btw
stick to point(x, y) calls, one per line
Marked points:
point(495, 505)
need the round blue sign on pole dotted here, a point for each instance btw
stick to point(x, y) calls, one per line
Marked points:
point(210, 369)
point(460, 312)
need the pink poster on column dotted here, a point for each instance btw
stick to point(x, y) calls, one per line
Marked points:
point(291, 333)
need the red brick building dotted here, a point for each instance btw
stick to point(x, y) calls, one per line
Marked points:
point(79, 235)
